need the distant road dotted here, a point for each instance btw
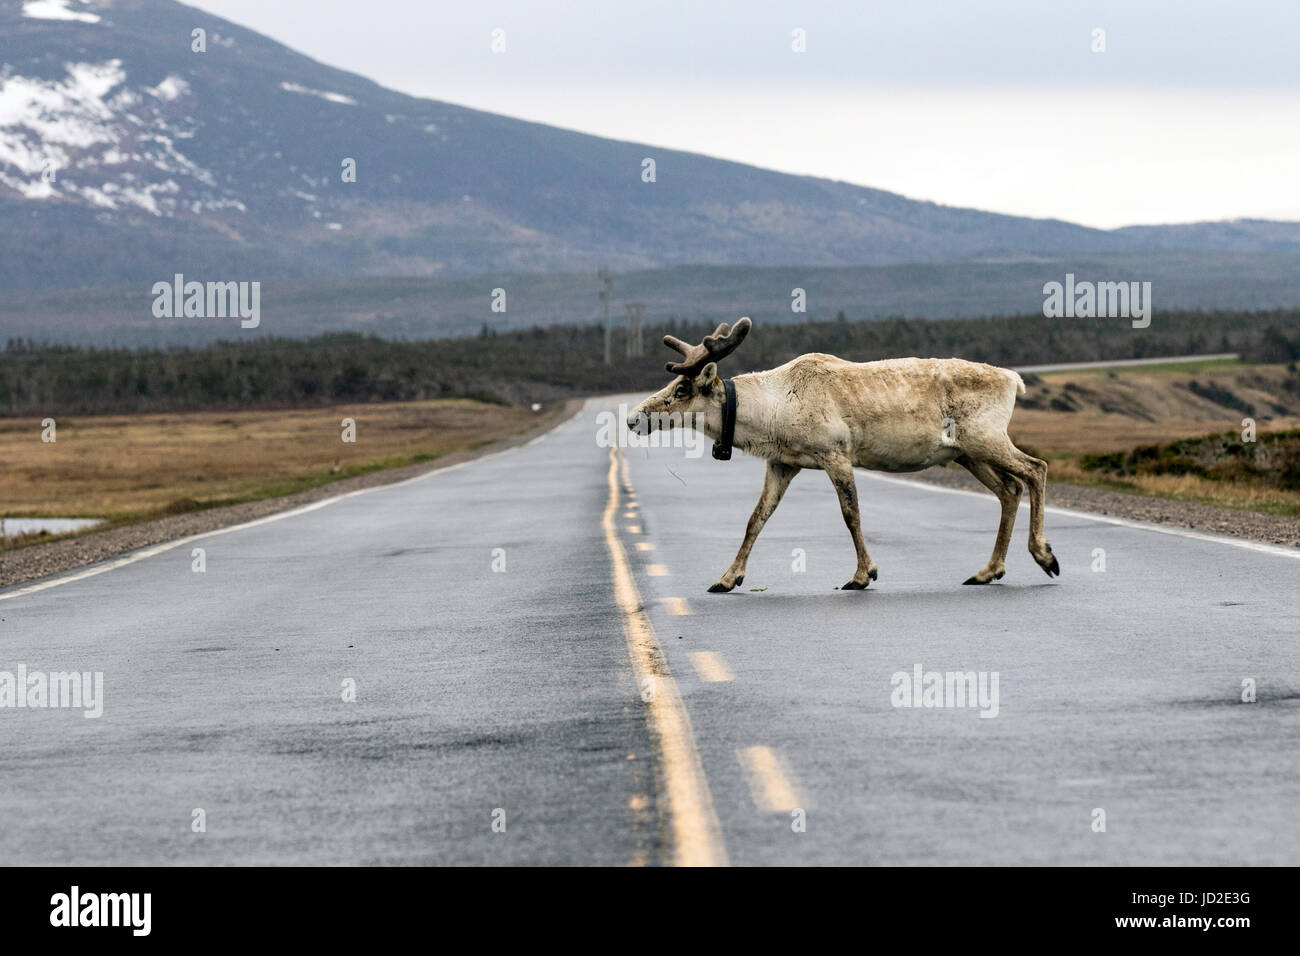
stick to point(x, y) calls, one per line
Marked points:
point(531, 643)
point(1125, 363)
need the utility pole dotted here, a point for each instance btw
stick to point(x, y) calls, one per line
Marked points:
point(635, 312)
point(606, 294)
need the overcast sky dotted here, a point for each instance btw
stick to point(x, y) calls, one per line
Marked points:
point(1192, 112)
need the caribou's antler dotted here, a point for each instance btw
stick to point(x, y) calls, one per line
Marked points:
point(724, 340)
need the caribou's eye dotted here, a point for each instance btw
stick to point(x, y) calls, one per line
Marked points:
point(683, 391)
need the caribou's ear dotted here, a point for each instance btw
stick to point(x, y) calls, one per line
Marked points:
point(704, 381)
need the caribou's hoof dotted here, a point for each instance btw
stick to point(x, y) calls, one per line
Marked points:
point(721, 588)
point(1054, 568)
point(872, 573)
point(853, 586)
point(975, 579)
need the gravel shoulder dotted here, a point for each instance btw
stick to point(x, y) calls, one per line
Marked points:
point(65, 554)
point(1273, 529)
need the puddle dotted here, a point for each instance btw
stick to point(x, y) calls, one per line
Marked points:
point(13, 527)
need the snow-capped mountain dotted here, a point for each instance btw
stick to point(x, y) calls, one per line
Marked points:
point(143, 137)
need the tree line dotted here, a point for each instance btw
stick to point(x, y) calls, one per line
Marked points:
point(558, 362)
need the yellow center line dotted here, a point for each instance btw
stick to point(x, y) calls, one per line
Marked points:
point(696, 833)
point(644, 546)
point(769, 781)
point(710, 666)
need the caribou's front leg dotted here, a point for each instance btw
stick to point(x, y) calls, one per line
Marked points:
point(774, 485)
point(841, 475)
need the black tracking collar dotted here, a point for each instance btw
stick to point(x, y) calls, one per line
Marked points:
point(722, 447)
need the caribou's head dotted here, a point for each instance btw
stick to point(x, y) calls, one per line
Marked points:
point(695, 395)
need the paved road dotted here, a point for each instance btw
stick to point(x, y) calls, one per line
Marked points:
point(1128, 363)
point(615, 713)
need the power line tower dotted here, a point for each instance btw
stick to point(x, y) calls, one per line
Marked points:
point(635, 313)
point(606, 294)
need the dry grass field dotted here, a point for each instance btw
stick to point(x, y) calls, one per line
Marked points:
point(1065, 415)
point(127, 467)
point(1227, 494)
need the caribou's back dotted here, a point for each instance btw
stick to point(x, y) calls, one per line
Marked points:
point(894, 415)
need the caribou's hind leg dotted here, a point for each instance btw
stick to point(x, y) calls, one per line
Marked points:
point(774, 485)
point(1032, 472)
point(841, 475)
point(1008, 490)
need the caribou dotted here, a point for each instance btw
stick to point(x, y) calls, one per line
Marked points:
point(822, 412)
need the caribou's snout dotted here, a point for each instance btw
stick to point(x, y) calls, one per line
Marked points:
point(638, 422)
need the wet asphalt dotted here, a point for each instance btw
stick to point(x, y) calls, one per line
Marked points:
point(494, 717)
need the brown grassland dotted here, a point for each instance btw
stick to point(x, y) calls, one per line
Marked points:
point(130, 467)
point(1066, 415)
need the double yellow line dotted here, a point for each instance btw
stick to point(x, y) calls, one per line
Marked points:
point(697, 836)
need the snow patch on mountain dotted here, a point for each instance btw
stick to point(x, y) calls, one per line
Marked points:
point(40, 122)
point(332, 97)
point(57, 10)
point(90, 137)
point(169, 89)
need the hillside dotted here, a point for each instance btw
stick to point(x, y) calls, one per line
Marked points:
point(226, 164)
